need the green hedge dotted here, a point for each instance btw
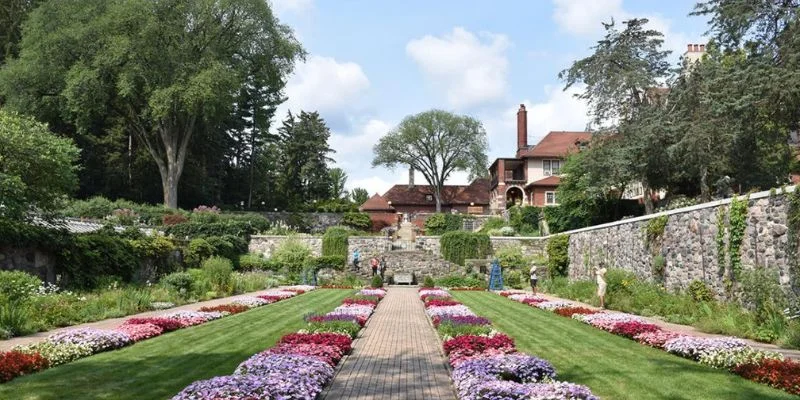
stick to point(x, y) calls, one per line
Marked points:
point(357, 220)
point(459, 245)
point(334, 242)
point(558, 255)
point(440, 223)
point(226, 227)
point(332, 262)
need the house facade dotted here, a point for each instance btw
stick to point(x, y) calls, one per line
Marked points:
point(533, 175)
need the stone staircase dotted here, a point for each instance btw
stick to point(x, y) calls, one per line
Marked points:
point(420, 263)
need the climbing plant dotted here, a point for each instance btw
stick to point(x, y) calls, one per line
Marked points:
point(720, 239)
point(558, 255)
point(793, 222)
point(738, 223)
point(457, 246)
point(334, 242)
point(654, 230)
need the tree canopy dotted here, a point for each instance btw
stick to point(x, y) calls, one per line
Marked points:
point(161, 71)
point(436, 143)
point(37, 169)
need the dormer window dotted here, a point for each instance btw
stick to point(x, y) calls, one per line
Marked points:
point(429, 197)
point(551, 167)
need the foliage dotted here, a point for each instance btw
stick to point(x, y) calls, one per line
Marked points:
point(654, 229)
point(558, 255)
point(197, 251)
point(180, 282)
point(436, 143)
point(440, 223)
point(334, 242)
point(357, 221)
point(359, 196)
point(326, 262)
point(428, 282)
point(254, 262)
point(344, 327)
point(513, 279)
point(218, 271)
point(524, 220)
point(700, 292)
point(161, 92)
point(659, 268)
point(304, 156)
point(292, 255)
point(511, 257)
point(338, 179)
point(456, 246)
point(738, 225)
point(720, 239)
point(762, 293)
point(459, 281)
point(37, 168)
point(492, 223)
point(377, 282)
point(17, 286)
point(91, 256)
point(449, 330)
point(14, 318)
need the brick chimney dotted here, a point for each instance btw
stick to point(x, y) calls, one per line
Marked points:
point(522, 128)
point(694, 52)
point(410, 177)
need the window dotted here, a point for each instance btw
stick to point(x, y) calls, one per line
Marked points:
point(550, 198)
point(551, 167)
point(429, 197)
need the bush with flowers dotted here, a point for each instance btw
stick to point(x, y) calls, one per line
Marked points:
point(251, 302)
point(606, 321)
point(460, 320)
point(166, 324)
point(380, 293)
point(486, 378)
point(329, 354)
point(226, 308)
point(139, 332)
point(552, 305)
point(341, 341)
point(477, 344)
point(361, 300)
point(56, 354)
point(694, 347)
point(730, 358)
point(781, 374)
point(460, 310)
point(436, 302)
point(96, 339)
point(629, 329)
point(657, 338)
point(360, 320)
point(570, 311)
point(14, 363)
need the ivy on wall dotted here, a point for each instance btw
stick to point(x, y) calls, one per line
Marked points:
point(793, 222)
point(738, 224)
point(654, 230)
point(720, 239)
point(457, 246)
point(558, 255)
point(334, 242)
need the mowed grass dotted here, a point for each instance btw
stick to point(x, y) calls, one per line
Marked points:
point(161, 367)
point(612, 366)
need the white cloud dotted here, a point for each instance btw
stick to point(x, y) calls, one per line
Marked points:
point(354, 152)
point(325, 85)
point(291, 6)
point(471, 69)
point(560, 111)
point(585, 17)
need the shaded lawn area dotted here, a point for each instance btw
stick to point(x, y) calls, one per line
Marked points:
point(161, 367)
point(612, 366)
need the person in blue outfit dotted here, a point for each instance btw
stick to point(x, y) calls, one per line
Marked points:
point(356, 257)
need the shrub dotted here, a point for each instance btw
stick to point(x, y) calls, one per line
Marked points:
point(524, 219)
point(659, 267)
point(377, 281)
point(334, 242)
point(439, 223)
point(357, 220)
point(180, 282)
point(700, 291)
point(762, 293)
point(450, 330)
point(460, 282)
point(173, 219)
point(513, 279)
point(14, 318)
point(15, 363)
point(558, 255)
point(511, 257)
point(428, 282)
point(291, 254)
point(90, 256)
point(332, 262)
point(457, 246)
point(493, 223)
point(197, 251)
point(218, 271)
point(253, 262)
point(344, 327)
point(17, 286)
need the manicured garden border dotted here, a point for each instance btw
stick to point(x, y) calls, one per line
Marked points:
point(728, 353)
point(73, 344)
point(485, 363)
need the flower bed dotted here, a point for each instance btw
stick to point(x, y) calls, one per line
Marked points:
point(781, 374)
point(73, 344)
point(656, 339)
point(436, 302)
point(694, 347)
point(297, 367)
point(379, 293)
point(489, 366)
point(629, 329)
point(570, 311)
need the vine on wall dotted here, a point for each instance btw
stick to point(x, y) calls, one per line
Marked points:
point(721, 259)
point(655, 229)
point(793, 222)
point(738, 224)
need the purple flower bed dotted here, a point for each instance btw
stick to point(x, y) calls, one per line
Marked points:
point(560, 391)
point(694, 347)
point(471, 375)
point(461, 320)
point(239, 387)
point(96, 339)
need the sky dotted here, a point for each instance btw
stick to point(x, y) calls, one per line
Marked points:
point(372, 63)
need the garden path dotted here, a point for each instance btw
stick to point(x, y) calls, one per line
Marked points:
point(397, 356)
point(690, 330)
point(115, 322)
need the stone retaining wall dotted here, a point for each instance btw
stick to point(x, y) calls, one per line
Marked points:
point(315, 222)
point(266, 244)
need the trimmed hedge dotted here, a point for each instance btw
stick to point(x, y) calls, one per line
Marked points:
point(460, 245)
point(441, 223)
point(357, 220)
point(334, 242)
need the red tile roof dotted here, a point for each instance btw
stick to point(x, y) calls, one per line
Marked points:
point(549, 181)
point(556, 144)
point(476, 192)
point(376, 203)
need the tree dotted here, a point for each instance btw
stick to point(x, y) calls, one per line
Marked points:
point(12, 14)
point(359, 196)
point(619, 78)
point(338, 178)
point(304, 158)
point(436, 143)
point(37, 168)
point(162, 70)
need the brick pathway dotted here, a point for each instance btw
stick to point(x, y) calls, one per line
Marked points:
point(396, 357)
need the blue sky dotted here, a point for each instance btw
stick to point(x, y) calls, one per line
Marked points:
point(371, 63)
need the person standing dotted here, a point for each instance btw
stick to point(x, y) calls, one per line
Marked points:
point(383, 266)
point(534, 278)
point(374, 264)
point(600, 273)
point(356, 256)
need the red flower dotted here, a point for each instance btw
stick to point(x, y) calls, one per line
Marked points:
point(360, 301)
point(776, 373)
point(343, 342)
point(435, 302)
point(167, 324)
point(298, 291)
point(478, 344)
point(271, 299)
point(629, 329)
point(14, 364)
point(231, 308)
point(569, 311)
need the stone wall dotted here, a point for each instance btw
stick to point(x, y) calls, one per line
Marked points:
point(530, 246)
point(266, 244)
point(316, 222)
point(31, 260)
point(688, 243)
point(368, 246)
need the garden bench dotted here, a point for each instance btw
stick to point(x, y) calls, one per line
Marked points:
point(403, 277)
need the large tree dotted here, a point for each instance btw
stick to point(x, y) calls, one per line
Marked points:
point(304, 155)
point(338, 179)
point(162, 70)
point(12, 14)
point(37, 168)
point(618, 81)
point(436, 143)
point(359, 196)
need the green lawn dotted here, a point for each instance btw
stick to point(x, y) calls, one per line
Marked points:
point(159, 368)
point(612, 366)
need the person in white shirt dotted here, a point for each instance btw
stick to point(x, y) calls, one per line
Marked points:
point(600, 273)
point(534, 278)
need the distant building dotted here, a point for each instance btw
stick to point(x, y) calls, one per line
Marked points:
point(532, 177)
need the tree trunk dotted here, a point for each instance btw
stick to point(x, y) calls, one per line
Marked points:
point(647, 197)
point(438, 197)
point(705, 192)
